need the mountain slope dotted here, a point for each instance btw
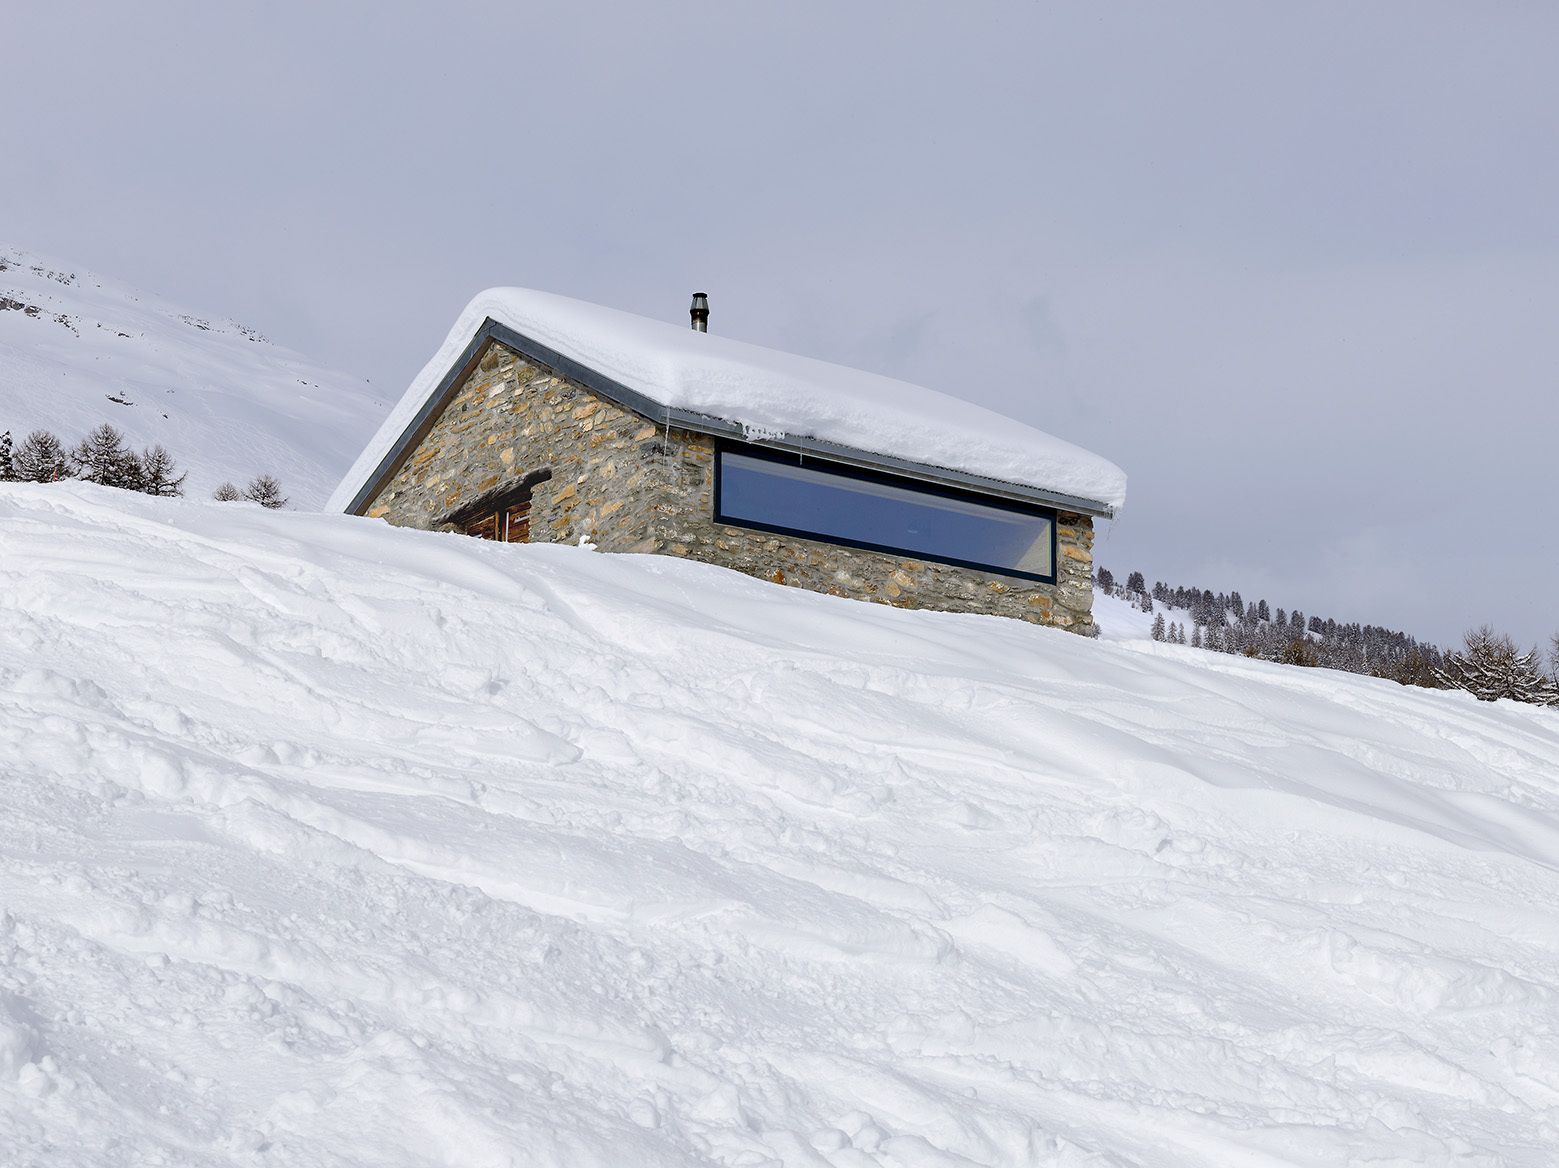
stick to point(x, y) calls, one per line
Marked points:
point(77, 349)
point(324, 843)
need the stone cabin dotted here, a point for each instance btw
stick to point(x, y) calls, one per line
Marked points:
point(544, 419)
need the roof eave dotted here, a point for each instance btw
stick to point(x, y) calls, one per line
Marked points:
point(664, 415)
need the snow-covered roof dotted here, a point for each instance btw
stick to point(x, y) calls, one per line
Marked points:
point(762, 394)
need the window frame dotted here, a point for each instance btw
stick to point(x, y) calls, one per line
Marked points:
point(826, 467)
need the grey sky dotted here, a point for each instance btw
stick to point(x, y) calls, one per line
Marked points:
point(1292, 266)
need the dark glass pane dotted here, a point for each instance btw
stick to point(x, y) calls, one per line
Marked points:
point(864, 511)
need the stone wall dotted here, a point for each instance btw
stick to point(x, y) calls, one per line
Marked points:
point(626, 485)
point(511, 418)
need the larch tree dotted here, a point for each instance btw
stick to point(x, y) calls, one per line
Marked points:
point(101, 458)
point(227, 493)
point(40, 458)
point(1490, 666)
point(266, 491)
point(159, 474)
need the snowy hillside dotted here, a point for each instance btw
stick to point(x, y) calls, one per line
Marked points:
point(324, 843)
point(1119, 620)
point(77, 349)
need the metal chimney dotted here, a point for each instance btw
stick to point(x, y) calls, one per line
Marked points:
point(700, 312)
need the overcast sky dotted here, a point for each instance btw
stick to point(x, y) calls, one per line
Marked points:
point(1294, 266)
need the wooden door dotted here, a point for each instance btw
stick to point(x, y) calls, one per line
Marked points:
point(516, 523)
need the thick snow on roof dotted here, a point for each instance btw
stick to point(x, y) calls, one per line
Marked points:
point(767, 392)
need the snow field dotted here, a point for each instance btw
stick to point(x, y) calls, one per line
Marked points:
point(78, 349)
point(324, 843)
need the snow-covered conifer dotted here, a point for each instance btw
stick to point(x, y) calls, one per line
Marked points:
point(1490, 666)
point(1158, 627)
point(1106, 580)
point(159, 474)
point(40, 458)
point(7, 469)
point(101, 458)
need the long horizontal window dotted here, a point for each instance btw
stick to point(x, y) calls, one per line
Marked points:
point(783, 493)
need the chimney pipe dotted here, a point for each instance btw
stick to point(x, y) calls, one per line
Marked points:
point(700, 312)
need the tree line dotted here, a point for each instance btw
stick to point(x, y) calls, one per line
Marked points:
point(1488, 664)
point(103, 458)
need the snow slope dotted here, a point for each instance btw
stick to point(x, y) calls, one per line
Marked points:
point(77, 349)
point(1120, 621)
point(771, 394)
point(324, 843)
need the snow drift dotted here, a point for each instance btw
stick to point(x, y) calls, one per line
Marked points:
point(324, 843)
point(768, 392)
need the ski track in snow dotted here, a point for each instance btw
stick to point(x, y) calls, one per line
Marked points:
point(330, 844)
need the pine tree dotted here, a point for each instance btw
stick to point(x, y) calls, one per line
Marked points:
point(227, 493)
point(1106, 579)
point(1136, 583)
point(1158, 627)
point(40, 458)
point(266, 491)
point(159, 474)
point(7, 466)
point(101, 458)
point(1196, 637)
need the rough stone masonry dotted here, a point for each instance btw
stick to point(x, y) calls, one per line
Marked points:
point(624, 484)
